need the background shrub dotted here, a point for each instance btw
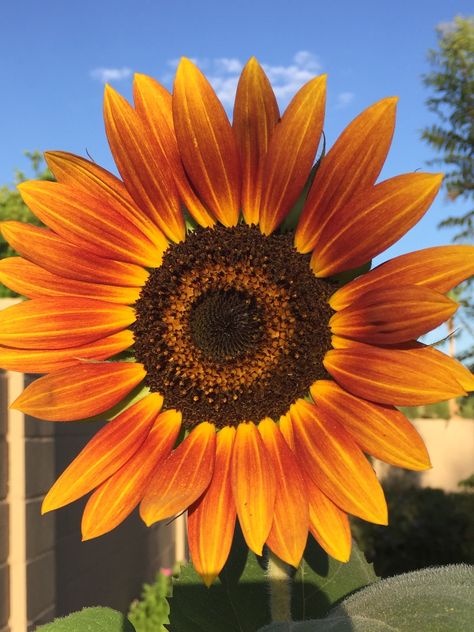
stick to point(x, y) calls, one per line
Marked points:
point(428, 527)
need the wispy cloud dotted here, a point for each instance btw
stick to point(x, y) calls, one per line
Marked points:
point(446, 27)
point(344, 98)
point(224, 72)
point(110, 74)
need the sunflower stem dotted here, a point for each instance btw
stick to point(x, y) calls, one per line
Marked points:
point(280, 589)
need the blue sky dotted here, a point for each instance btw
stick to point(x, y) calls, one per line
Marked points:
point(54, 56)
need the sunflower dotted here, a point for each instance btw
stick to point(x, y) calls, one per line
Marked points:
point(202, 295)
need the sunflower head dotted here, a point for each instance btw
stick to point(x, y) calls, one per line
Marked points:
point(233, 326)
point(236, 328)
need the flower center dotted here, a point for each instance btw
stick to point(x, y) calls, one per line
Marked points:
point(225, 324)
point(233, 326)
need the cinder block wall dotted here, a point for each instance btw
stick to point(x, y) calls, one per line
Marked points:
point(40, 530)
point(65, 574)
point(54, 572)
point(108, 570)
point(4, 517)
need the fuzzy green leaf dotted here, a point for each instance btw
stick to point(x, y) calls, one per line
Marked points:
point(90, 620)
point(430, 600)
point(321, 581)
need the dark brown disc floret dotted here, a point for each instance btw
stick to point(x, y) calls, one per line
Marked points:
point(233, 326)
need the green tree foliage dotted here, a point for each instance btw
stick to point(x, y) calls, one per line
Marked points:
point(12, 206)
point(451, 81)
point(428, 527)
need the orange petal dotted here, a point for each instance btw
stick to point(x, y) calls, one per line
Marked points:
point(382, 431)
point(289, 532)
point(183, 477)
point(90, 223)
point(373, 221)
point(291, 153)
point(458, 371)
point(80, 391)
point(335, 463)
point(353, 164)
point(206, 143)
point(30, 280)
point(286, 429)
point(211, 520)
point(253, 485)
point(393, 314)
point(255, 116)
point(61, 322)
point(118, 496)
point(391, 376)
point(110, 448)
point(49, 251)
point(440, 268)
point(142, 165)
point(328, 524)
point(42, 361)
point(87, 176)
point(154, 105)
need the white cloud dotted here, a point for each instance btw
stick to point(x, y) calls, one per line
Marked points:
point(344, 98)
point(446, 27)
point(230, 65)
point(225, 88)
point(110, 74)
point(286, 80)
point(224, 72)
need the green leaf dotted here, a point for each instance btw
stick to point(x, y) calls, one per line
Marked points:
point(430, 600)
point(150, 612)
point(349, 275)
point(292, 218)
point(321, 581)
point(237, 602)
point(315, 625)
point(90, 620)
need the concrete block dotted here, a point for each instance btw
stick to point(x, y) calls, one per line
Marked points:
point(4, 542)
point(40, 530)
point(109, 570)
point(38, 427)
point(40, 466)
point(4, 595)
point(3, 403)
point(3, 468)
point(78, 429)
point(45, 617)
point(41, 585)
point(66, 450)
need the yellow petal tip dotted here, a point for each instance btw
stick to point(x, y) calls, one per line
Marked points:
point(390, 100)
point(208, 579)
point(185, 62)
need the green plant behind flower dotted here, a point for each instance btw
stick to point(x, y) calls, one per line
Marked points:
point(150, 612)
point(12, 206)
